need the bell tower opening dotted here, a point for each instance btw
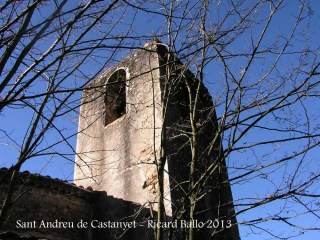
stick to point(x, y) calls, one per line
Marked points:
point(115, 97)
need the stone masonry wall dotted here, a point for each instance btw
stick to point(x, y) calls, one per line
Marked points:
point(43, 200)
point(119, 158)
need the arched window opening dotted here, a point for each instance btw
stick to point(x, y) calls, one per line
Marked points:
point(115, 97)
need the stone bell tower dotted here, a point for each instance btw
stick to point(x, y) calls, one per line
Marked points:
point(134, 115)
